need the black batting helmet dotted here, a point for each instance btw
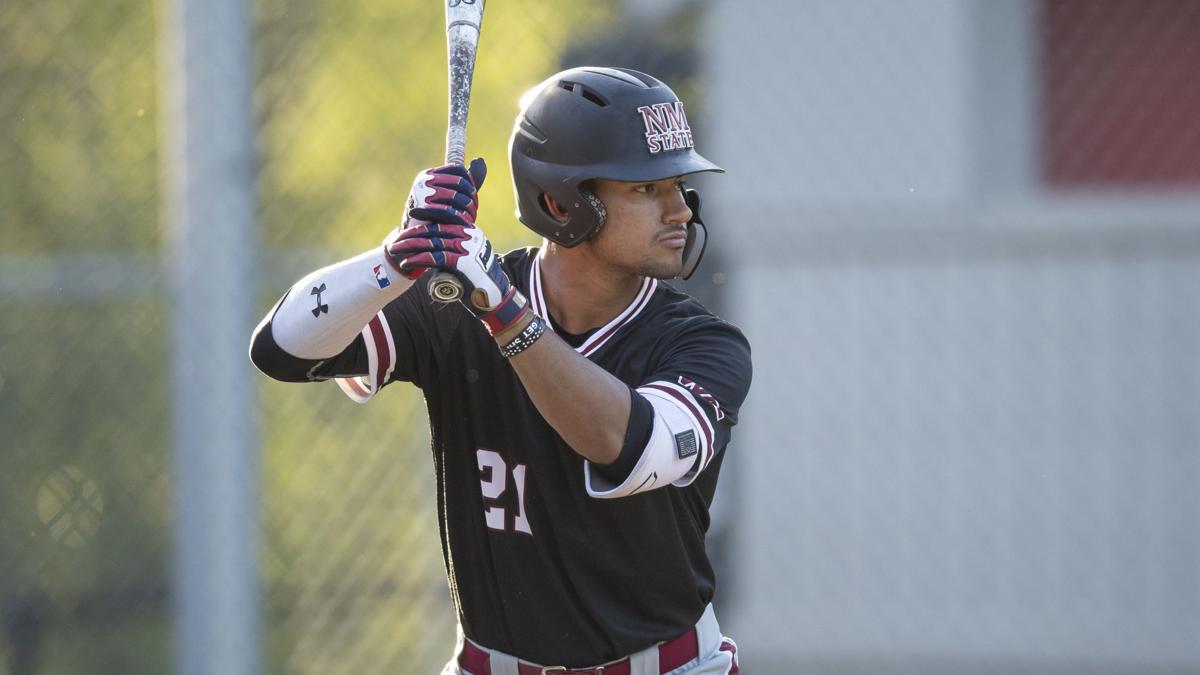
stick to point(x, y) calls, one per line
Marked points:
point(588, 123)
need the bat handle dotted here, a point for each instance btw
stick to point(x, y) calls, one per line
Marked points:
point(445, 287)
point(456, 145)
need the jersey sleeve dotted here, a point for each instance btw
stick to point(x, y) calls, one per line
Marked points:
point(405, 342)
point(695, 389)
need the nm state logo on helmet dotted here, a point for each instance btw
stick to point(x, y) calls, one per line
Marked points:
point(666, 127)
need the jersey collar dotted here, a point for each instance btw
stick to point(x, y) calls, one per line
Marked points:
point(605, 333)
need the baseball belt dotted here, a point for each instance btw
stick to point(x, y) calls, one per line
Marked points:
point(671, 655)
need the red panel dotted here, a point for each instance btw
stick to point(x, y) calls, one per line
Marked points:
point(1120, 92)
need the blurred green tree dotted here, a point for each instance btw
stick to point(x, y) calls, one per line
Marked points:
point(349, 103)
point(78, 114)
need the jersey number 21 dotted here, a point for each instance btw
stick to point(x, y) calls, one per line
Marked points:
point(493, 480)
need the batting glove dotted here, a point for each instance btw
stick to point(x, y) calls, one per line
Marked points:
point(446, 194)
point(466, 253)
point(440, 234)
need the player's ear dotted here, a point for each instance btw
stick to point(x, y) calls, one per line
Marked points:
point(554, 208)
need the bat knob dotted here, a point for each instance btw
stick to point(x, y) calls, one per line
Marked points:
point(445, 287)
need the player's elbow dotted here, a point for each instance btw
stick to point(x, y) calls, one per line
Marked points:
point(261, 347)
point(272, 360)
point(606, 448)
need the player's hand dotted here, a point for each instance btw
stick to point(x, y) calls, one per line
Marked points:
point(466, 253)
point(447, 194)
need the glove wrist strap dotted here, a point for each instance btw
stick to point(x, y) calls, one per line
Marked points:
point(504, 315)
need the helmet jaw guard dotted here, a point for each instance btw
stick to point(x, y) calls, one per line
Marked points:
point(596, 123)
point(697, 236)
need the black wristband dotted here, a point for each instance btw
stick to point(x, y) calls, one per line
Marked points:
point(525, 339)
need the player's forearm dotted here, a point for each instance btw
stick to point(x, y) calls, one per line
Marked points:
point(585, 404)
point(327, 309)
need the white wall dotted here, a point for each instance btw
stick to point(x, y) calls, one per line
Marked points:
point(972, 444)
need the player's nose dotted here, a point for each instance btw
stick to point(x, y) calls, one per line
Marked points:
point(676, 211)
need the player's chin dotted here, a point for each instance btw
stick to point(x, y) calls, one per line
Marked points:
point(664, 267)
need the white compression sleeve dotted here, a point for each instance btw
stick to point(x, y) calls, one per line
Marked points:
point(327, 309)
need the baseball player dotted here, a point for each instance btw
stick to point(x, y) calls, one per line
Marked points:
point(580, 407)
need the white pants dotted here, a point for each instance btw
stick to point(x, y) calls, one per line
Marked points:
point(718, 655)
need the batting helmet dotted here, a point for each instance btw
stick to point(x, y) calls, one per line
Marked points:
point(588, 123)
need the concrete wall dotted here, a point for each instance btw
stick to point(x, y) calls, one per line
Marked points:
point(973, 441)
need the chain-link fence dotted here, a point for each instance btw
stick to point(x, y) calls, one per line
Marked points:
point(83, 468)
point(349, 102)
point(972, 288)
point(961, 235)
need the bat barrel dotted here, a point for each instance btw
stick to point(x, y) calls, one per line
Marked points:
point(464, 19)
point(462, 37)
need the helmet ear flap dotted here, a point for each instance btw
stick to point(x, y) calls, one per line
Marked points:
point(599, 212)
point(578, 219)
point(697, 236)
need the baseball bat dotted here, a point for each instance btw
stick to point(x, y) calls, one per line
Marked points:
point(464, 22)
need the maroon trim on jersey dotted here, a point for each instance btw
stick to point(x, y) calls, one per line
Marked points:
point(601, 336)
point(697, 414)
point(355, 386)
point(381, 358)
point(535, 290)
point(383, 354)
point(639, 303)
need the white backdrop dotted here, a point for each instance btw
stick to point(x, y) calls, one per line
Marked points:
point(972, 443)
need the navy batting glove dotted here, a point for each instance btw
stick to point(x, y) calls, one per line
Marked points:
point(448, 195)
point(466, 253)
point(442, 203)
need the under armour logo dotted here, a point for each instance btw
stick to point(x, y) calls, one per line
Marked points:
point(317, 291)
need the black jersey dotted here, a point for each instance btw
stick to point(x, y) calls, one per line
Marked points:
point(537, 567)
